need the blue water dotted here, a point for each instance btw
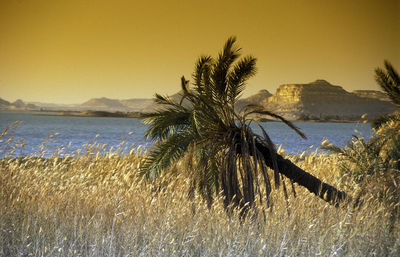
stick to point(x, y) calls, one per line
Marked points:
point(79, 131)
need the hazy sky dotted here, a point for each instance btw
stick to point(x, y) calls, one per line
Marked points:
point(67, 51)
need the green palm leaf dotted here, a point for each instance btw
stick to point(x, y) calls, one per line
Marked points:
point(389, 81)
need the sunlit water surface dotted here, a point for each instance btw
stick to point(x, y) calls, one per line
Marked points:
point(72, 133)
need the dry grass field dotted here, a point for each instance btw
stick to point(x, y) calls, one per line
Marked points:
point(92, 204)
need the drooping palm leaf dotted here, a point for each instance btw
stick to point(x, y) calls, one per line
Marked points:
point(165, 123)
point(166, 152)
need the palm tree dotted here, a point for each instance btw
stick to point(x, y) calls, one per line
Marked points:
point(228, 156)
point(369, 163)
point(389, 81)
point(388, 126)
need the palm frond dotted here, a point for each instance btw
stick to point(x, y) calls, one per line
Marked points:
point(206, 173)
point(393, 74)
point(271, 114)
point(363, 156)
point(165, 123)
point(267, 142)
point(380, 121)
point(242, 71)
point(165, 153)
point(389, 81)
point(166, 101)
point(185, 85)
point(201, 73)
point(225, 59)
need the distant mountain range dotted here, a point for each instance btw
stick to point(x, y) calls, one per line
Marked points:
point(318, 100)
point(17, 105)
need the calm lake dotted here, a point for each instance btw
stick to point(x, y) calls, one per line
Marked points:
point(79, 131)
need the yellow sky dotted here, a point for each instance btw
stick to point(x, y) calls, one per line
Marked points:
point(67, 51)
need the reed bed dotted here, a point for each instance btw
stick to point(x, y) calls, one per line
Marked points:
point(95, 204)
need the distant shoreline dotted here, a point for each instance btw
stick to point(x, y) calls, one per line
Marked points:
point(105, 114)
point(87, 113)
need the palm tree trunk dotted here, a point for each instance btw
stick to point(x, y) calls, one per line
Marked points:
point(323, 190)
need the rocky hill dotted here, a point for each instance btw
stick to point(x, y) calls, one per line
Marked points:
point(137, 104)
point(4, 104)
point(322, 100)
point(53, 106)
point(256, 99)
point(114, 105)
point(18, 105)
point(104, 104)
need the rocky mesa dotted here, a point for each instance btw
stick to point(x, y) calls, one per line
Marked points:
point(321, 100)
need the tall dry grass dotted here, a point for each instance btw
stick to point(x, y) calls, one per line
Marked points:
point(95, 204)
